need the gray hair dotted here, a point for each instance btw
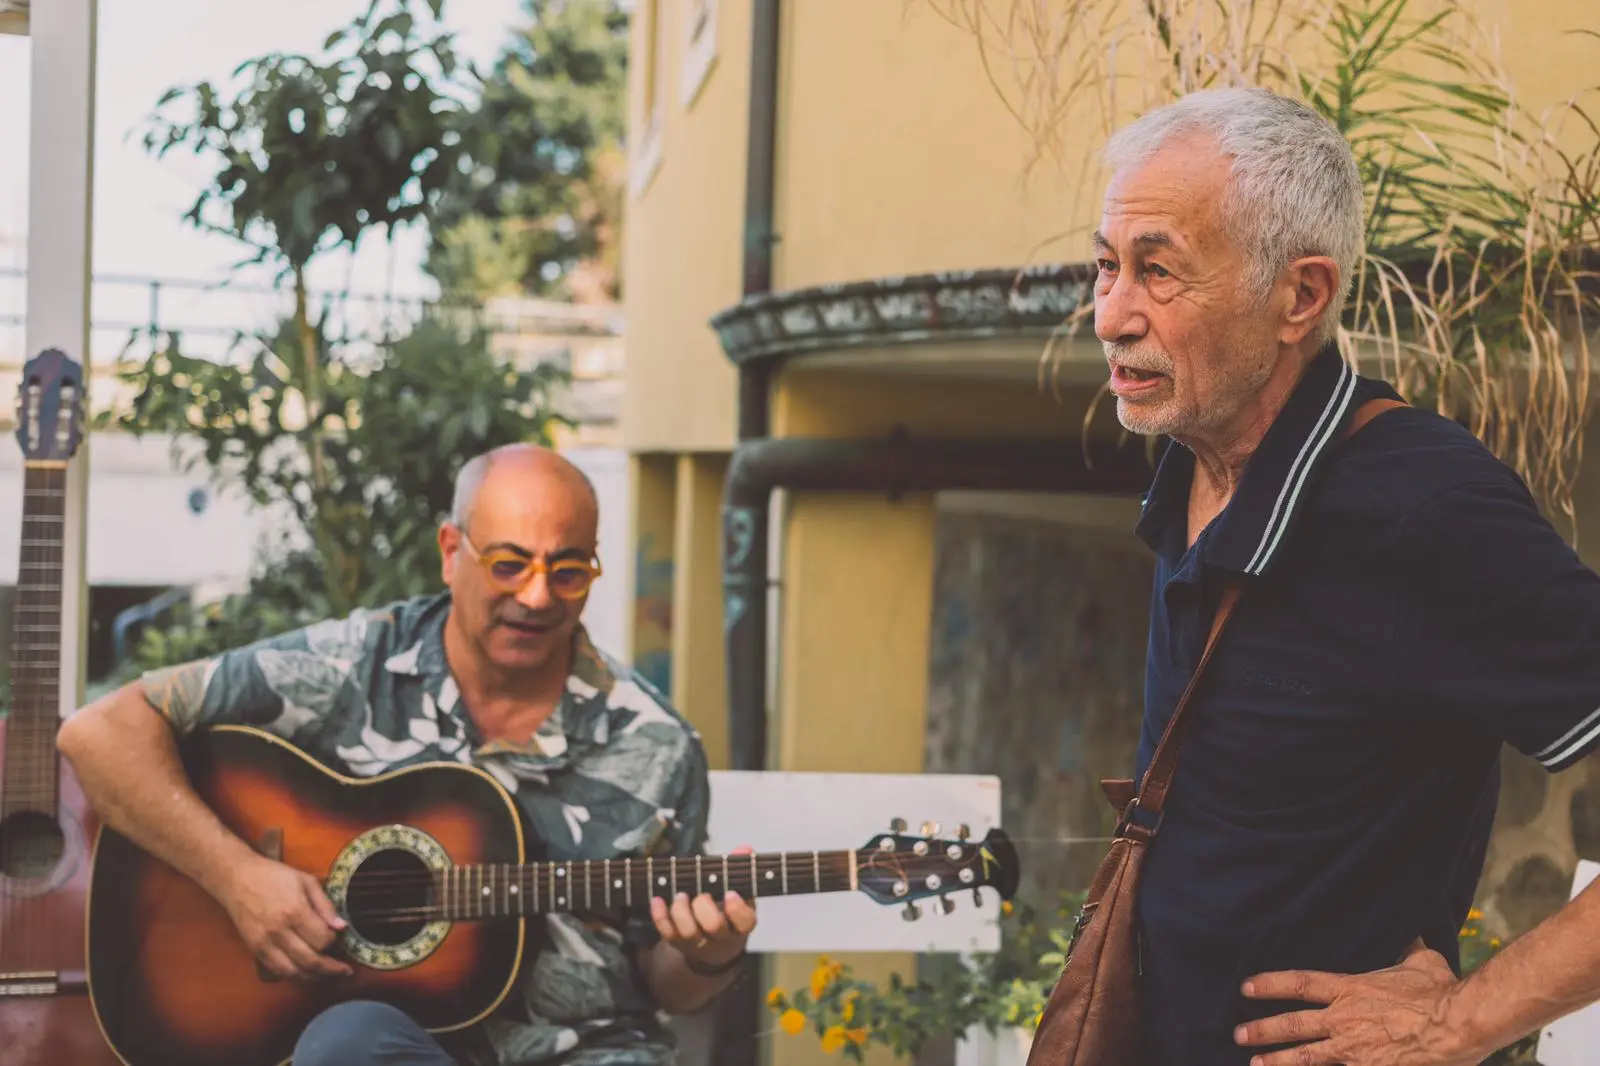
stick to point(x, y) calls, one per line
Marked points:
point(1295, 189)
point(469, 479)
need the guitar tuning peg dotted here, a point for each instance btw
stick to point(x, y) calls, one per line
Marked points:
point(946, 904)
point(897, 825)
point(963, 831)
point(911, 913)
point(930, 829)
point(977, 899)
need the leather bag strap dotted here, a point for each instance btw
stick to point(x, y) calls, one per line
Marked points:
point(1152, 797)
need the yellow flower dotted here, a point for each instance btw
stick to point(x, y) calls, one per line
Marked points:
point(776, 999)
point(1474, 915)
point(1469, 932)
point(1006, 908)
point(1494, 942)
point(857, 1036)
point(834, 1038)
point(823, 976)
point(792, 1021)
point(848, 1002)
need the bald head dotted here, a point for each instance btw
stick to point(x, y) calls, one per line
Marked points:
point(518, 555)
point(517, 468)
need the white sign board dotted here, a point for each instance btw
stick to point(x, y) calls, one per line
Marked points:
point(1575, 1039)
point(773, 811)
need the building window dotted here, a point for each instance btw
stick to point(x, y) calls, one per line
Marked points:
point(701, 53)
point(650, 116)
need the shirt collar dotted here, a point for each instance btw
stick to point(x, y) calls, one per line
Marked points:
point(1249, 535)
point(574, 722)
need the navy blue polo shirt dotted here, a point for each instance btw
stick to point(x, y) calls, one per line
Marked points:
point(1406, 610)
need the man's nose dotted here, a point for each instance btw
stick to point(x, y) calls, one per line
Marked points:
point(1119, 311)
point(535, 595)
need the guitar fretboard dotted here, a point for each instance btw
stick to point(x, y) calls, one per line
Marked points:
point(30, 757)
point(499, 891)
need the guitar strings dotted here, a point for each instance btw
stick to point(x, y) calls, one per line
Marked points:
point(34, 783)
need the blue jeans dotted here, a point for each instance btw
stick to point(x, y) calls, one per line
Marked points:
point(365, 1033)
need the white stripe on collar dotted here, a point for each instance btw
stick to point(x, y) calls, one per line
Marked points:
point(1344, 391)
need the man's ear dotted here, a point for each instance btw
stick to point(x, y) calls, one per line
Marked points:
point(449, 541)
point(1315, 284)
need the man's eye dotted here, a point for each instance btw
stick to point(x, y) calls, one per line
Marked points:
point(1158, 270)
point(1106, 266)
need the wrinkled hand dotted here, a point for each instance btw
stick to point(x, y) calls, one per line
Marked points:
point(1393, 1017)
point(285, 918)
point(703, 931)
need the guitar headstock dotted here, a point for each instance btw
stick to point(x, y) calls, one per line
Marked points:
point(50, 406)
point(899, 867)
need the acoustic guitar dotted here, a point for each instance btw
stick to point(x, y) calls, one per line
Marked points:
point(430, 866)
point(45, 824)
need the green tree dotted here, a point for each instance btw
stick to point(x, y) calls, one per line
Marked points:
point(539, 210)
point(310, 154)
point(394, 433)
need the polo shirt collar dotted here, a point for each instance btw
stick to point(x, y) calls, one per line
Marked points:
point(1249, 535)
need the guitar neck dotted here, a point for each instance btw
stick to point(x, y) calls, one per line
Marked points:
point(30, 757)
point(599, 885)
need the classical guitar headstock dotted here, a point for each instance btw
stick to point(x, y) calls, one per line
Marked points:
point(50, 406)
point(899, 867)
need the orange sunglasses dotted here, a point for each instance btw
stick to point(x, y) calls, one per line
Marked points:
point(510, 571)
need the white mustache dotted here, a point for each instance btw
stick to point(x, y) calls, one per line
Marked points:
point(1134, 357)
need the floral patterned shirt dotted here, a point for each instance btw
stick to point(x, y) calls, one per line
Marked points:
point(614, 772)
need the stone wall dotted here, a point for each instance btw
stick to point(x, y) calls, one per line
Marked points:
point(1545, 824)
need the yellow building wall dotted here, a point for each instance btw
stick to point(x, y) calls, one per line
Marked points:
point(699, 674)
point(683, 240)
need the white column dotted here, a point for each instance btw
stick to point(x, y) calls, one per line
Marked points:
point(60, 235)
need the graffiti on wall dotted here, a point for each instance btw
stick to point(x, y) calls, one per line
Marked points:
point(652, 612)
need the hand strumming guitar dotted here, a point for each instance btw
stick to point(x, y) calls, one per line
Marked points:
point(285, 918)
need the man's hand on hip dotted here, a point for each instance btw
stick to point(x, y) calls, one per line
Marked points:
point(1394, 1017)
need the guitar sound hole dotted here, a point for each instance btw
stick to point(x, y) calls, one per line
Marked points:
point(31, 844)
point(391, 897)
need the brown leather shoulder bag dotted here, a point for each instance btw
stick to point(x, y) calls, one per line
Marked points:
point(1092, 1016)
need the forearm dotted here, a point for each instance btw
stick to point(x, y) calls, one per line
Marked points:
point(1547, 974)
point(125, 757)
point(675, 987)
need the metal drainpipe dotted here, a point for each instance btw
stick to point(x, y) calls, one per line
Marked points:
point(739, 1013)
point(745, 525)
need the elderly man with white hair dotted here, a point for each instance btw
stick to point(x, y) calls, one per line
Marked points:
point(1403, 608)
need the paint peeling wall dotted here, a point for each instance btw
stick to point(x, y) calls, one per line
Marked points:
point(1036, 673)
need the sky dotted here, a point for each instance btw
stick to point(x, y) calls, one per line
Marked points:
point(145, 47)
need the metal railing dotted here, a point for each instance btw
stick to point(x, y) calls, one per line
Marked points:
point(130, 312)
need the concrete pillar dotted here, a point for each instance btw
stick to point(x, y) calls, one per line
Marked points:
point(857, 585)
point(699, 676)
point(60, 242)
